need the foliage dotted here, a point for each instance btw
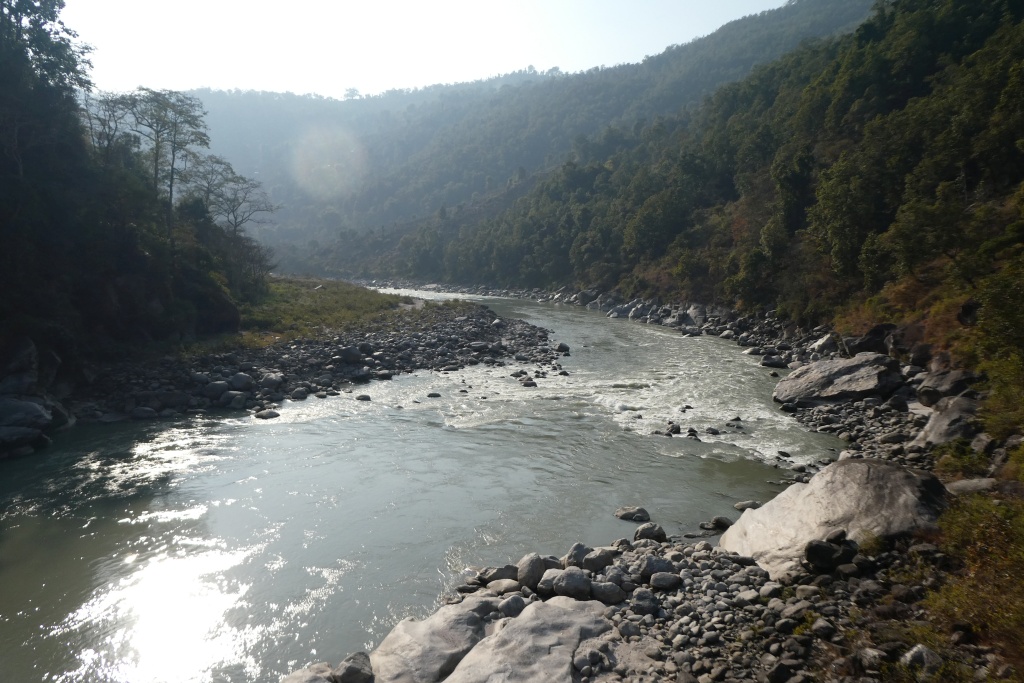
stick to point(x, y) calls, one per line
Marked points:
point(958, 459)
point(382, 166)
point(297, 307)
point(988, 537)
point(101, 239)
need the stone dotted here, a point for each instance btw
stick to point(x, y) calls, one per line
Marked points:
point(355, 668)
point(267, 414)
point(966, 486)
point(241, 382)
point(142, 413)
point(538, 645)
point(299, 394)
point(429, 650)
point(665, 581)
point(214, 390)
point(25, 414)
point(272, 381)
point(572, 583)
point(747, 505)
point(350, 354)
point(577, 553)
point(503, 586)
point(922, 658)
point(952, 418)
point(651, 531)
point(655, 564)
point(607, 592)
point(644, 602)
point(508, 571)
point(529, 570)
point(512, 606)
point(546, 585)
point(633, 514)
point(868, 498)
point(938, 385)
point(314, 673)
point(598, 559)
point(844, 379)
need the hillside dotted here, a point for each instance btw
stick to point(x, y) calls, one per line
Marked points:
point(877, 177)
point(377, 162)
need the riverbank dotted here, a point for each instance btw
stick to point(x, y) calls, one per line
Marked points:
point(857, 606)
point(256, 379)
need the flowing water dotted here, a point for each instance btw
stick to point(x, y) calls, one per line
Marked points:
point(229, 549)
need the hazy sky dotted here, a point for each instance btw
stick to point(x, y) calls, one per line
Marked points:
point(328, 46)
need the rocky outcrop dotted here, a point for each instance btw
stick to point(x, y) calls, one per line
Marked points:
point(538, 645)
point(843, 379)
point(867, 498)
point(429, 650)
point(952, 418)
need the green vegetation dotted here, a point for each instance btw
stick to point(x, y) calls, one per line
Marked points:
point(988, 537)
point(465, 151)
point(111, 233)
point(957, 459)
point(308, 308)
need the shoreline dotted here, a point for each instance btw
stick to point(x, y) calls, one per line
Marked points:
point(257, 381)
point(678, 608)
point(738, 635)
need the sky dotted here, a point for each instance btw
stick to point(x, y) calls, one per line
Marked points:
point(329, 46)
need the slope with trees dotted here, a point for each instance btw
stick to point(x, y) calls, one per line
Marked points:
point(386, 161)
point(109, 235)
point(878, 176)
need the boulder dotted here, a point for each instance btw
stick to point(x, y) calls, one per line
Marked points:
point(577, 553)
point(214, 390)
point(241, 382)
point(650, 531)
point(951, 419)
point(632, 513)
point(314, 673)
point(572, 583)
point(845, 379)
point(429, 650)
point(355, 668)
point(938, 385)
point(272, 381)
point(28, 414)
point(529, 570)
point(350, 354)
point(538, 645)
point(868, 498)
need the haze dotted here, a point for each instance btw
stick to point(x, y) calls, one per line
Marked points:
point(328, 47)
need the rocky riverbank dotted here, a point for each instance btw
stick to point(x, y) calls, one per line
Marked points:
point(823, 583)
point(35, 403)
point(787, 596)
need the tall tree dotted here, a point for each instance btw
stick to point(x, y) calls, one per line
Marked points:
point(173, 124)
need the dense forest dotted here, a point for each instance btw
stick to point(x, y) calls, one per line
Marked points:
point(876, 176)
point(342, 169)
point(116, 226)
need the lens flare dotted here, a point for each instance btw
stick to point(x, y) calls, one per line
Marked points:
point(328, 163)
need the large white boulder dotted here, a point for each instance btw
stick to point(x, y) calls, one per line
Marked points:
point(538, 645)
point(843, 379)
point(867, 498)
point(427, 651)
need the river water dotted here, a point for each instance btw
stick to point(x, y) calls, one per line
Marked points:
point(229, 549)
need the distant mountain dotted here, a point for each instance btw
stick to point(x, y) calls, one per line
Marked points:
point(376, 162)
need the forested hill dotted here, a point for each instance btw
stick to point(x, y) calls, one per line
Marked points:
point(878, 176)
point(369, 162)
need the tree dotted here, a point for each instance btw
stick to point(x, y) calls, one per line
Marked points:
point(173, 124)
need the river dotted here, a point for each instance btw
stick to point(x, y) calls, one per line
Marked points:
point(229, 549)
